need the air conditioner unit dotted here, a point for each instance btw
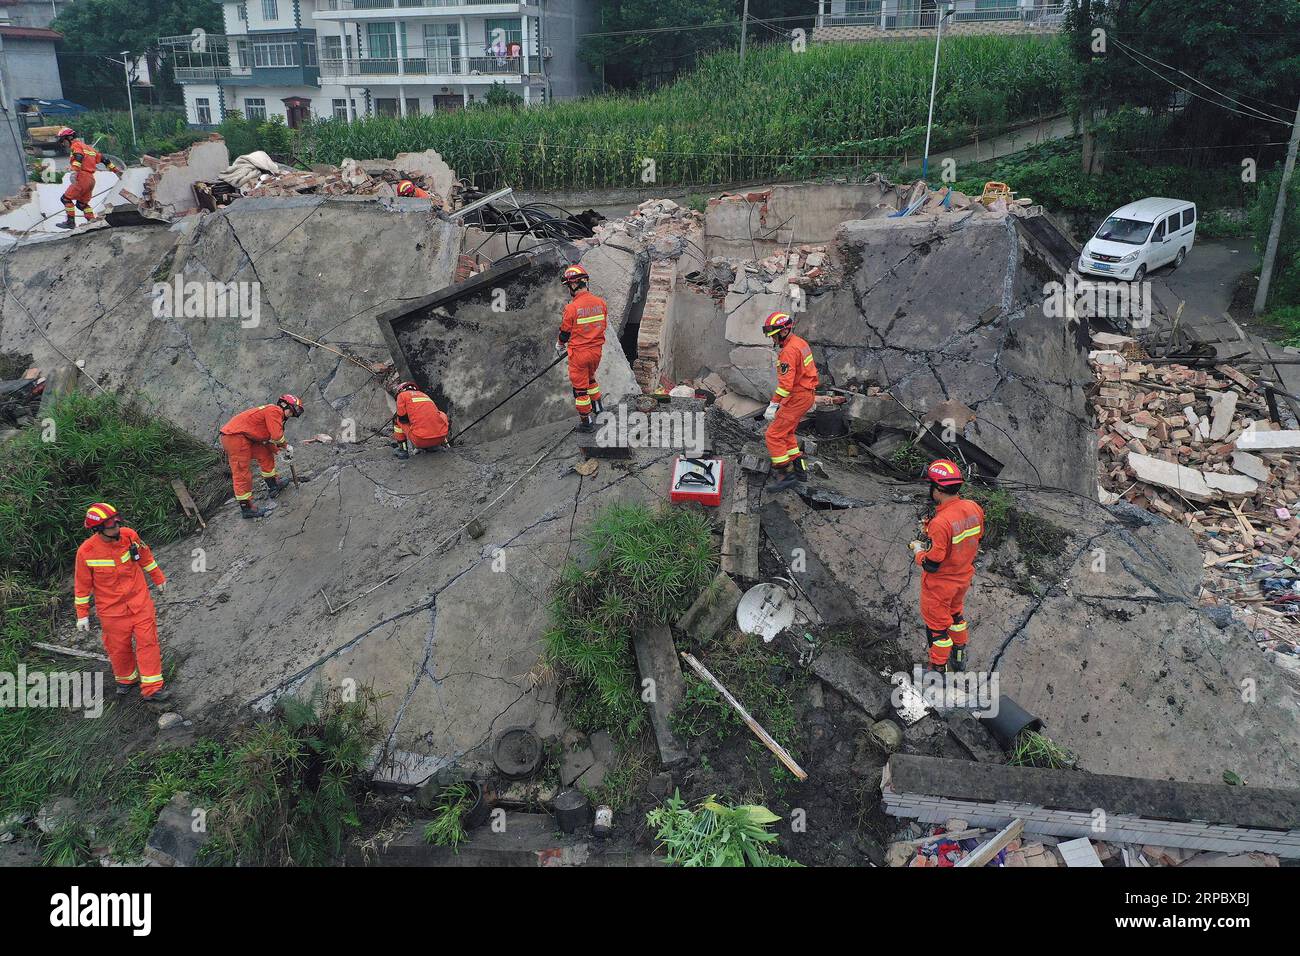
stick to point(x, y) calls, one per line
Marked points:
point(547, 53)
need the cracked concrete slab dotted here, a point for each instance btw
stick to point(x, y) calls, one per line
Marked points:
point(1116, 657)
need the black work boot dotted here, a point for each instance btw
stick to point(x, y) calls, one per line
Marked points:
point(585, 424)
point(163, 696)
point(402, 453)
point(121, 690)
point(274, 486)
point(66, 224)
point(800, 468)
point(249, 510)
point(783, 479)
point(958, 658)
point(596, 406)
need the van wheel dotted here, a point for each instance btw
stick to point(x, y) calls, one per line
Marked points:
point(1182, 254)
point(1141, 273)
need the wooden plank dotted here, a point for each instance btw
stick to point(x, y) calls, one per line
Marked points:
point(754, 725)
point(70, 651)
point(985, 852)
point(187, 502)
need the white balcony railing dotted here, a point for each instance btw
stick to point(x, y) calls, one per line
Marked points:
point(407, 5)
point(422, 66)
point(897, 15)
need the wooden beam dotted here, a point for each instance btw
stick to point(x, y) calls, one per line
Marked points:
point(985, 852)
point(754, 725)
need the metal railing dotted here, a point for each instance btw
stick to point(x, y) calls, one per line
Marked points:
point(336, 5)
point(876, 13)
point(422, 66)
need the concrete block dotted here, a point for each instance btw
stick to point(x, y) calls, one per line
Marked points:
point(1262, 442)
point(713, 611)
point(838, 668)
point(174, 841)
point(745, 315)
point(740, 536)
point(656, 659)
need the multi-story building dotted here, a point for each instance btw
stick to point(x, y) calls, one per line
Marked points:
point(345, 59)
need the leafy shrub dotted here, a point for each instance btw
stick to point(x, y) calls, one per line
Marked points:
point(714, 834)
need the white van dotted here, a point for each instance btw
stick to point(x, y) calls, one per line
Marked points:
point(1140, 237)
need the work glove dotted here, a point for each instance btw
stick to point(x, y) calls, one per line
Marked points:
point(559, 347)
point(83, 624)
point(770, 414)
point(288, 453)
point(162, 588)
point(917, 547)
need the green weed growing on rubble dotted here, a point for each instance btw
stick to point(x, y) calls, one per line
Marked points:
point(447, 828)
point(643, 568)
point(1033, 749)
point(716, 834)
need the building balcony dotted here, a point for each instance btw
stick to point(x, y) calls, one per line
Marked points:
point(402, 9)
point(897, 19)
point(452, 69)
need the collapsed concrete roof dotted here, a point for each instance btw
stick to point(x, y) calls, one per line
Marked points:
point(1122, 665)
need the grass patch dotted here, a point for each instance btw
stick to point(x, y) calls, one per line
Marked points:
point(1033, 749)
point(95, 449)
point(716, 834)
point(1040, 541)
point(911, 459)
point(643, 569)
point(447, 828)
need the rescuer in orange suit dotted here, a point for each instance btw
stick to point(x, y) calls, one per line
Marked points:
point(796, 382)
point(111, 565)
point(408, 190)
point(418, 421)
point(258, 433)
point(948, 565)
point(84, 160)
point(583, 333)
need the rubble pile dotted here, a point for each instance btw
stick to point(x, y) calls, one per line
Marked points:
point(1197, 445)
point(943, 846)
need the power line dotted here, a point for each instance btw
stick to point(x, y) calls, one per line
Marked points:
point(682, 28)
point(1252, 116)
point(1206, 85)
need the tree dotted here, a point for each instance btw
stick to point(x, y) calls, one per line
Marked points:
point(651, 43)
point(1244, 48)
point(95, 30)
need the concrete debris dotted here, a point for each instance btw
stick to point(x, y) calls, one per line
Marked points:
point(175, 839)
point(656, 660)
point(1173, 439)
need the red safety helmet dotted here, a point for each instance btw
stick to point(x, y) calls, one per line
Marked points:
point(407, 387)
point(67, 133)
point(99, 514)
point(777, 322)
point(573, 275)
point(406, 188)
point(295, 406)
point(944, 474)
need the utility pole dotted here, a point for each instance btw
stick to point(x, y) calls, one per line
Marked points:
point(744, 24)
point(130, 105)
point(934, 82)
point(1279, 213)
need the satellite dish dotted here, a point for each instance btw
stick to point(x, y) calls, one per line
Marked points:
point(199, 43)
point(765, 609)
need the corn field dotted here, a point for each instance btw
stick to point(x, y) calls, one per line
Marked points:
point(832, 107)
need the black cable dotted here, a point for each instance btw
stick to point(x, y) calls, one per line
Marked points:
point(558, 359)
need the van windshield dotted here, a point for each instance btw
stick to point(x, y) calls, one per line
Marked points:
point(1128, 231)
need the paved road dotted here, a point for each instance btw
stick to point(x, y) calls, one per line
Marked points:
point(1207, 279)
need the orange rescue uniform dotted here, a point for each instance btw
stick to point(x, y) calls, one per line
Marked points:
point(947, 569)
point(583, 329)
point(252, 434)
point(419, 420)
point(795, 384)
point(85, 160)
point(109, 572)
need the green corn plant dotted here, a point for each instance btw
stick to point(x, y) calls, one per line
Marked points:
point(447, 828)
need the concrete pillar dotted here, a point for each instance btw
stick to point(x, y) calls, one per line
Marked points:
point(523, 47)
point(401, 100)
point(464, 47)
